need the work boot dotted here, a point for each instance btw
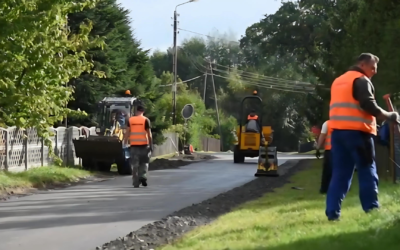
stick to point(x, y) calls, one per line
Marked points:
point(143, 181)
point(135, 182)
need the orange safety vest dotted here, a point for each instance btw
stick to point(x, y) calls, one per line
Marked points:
point(252, 117)
point(345, 112)
point(138, 135)
point(328, 145)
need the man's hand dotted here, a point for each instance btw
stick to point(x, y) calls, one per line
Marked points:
point(318, 154)
point(394, 117)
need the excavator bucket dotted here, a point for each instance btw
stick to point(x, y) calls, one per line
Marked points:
point(101, 152)
point(267, 162)
point(99, 147)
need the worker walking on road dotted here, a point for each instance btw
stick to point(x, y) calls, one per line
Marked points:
point(352, 116)
point(141, 145)
point(324, 141)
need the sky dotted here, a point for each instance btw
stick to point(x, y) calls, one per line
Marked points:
point(152, 19)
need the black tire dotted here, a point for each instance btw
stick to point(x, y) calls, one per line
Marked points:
point(88, 164)
point(103, 166)
point(124, 168)
point(241, 158)
point(237, 156)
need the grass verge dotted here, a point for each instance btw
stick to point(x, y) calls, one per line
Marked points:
point(40, 177)
point(289, 219)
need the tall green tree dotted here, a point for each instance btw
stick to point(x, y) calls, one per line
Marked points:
point(39, 57)
point(125, 63)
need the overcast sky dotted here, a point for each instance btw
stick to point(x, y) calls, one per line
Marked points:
point(152, 18)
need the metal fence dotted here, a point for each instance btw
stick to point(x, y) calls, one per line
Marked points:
point(388, 157)
point(22, 149)
point(393, 166)
point(396, 151)
point(210, 144)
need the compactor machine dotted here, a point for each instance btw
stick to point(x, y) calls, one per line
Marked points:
point(101, 150)
point(254, 140)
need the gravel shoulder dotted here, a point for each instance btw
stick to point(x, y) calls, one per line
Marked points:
point(157, 164)
point(180, 222)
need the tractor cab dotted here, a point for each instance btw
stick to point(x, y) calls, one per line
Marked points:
point(114, 112)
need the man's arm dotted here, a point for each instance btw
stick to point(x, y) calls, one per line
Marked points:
point(147, 127)
point(127, 132)
point(322, 136)
point(364, 94)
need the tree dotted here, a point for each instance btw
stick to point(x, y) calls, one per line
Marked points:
point(39, 57)
point(199, 125)
point(234, 79)
point(125, 63)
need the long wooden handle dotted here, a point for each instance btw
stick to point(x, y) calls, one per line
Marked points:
point(394, 129)
point(388, 102)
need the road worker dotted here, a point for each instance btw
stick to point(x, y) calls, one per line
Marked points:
point(252, 116)
point(252, 124)
point(324, 141)
point(138, 133)
point(352, 117)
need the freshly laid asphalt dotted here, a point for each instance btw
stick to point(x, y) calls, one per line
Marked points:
point(86, 216)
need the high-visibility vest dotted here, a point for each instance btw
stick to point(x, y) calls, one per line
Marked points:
point(328, 144)
point(249, 117)
point(138, 135)
point(345, 112)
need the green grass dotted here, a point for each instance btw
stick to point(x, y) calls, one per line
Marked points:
point(290, 219)
point(40, 177)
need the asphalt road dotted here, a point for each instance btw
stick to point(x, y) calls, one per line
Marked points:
point(83, 217)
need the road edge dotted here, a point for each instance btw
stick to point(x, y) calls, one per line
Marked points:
point(95, 177)
point(177, 224)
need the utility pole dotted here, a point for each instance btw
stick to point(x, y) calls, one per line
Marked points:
point(175, 62)
point(66, 116)
point(216, 107)
point(205, 86)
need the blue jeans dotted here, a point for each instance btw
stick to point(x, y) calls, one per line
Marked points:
point(352, 148)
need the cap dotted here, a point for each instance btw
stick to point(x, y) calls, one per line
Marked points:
point(128, 92)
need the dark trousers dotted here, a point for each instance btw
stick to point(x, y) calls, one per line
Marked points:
point(350, 148)
point(326, 172)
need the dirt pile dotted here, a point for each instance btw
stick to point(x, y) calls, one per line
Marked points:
point(178, 161)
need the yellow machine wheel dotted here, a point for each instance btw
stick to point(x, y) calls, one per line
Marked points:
point(237, 156)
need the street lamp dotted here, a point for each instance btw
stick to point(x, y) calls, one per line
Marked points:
point(175, 61)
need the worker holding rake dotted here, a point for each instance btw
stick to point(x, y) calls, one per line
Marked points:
point(352, 118)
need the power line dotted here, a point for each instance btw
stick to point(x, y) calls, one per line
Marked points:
point(261, 83)
point(182, 81)
point(207, 35)
point(282, 83)
point(271, 87)
point(258, 75)
point(266, 78)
